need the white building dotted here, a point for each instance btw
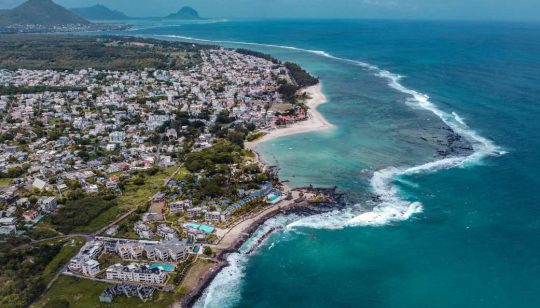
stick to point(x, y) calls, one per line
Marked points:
point(90, 268)
point(47, 204)
point(212, 216)
point(143, 230)
point(179, 206)
point(8, 230)
point(117, 137)
point(166, 232)
point(136, 273)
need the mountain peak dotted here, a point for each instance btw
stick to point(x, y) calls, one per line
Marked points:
point(186, 12)
point(40, 12)
point(99, 12)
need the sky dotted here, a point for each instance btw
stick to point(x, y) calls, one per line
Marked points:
point(394, 9)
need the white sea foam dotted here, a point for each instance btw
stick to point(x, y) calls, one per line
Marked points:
point(391, 207)
point(225, 289)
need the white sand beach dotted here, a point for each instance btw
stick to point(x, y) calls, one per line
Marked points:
point(315, 121)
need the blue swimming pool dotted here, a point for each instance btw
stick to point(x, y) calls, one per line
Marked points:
point(162, 266)
point(205, 228)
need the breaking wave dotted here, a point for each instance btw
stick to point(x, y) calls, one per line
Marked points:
point(390, 207)
point(225, 289)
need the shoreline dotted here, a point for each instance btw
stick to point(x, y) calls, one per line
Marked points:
point(315, 122)
point(245, 230)
point(241, 231)
point(237, 236)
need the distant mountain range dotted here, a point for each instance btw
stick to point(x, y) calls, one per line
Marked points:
point(99, 12)
point(185, 13)
point(40, 12)
point(47, 13)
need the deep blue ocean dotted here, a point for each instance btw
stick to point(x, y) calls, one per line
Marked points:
point(460, 231)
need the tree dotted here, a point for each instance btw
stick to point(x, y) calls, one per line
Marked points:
point(207, 251)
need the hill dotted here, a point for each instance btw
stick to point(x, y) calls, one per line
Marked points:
point(99, 12)
point(40, 12)
point(186, 13)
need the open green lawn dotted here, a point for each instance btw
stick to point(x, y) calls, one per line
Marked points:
point(85, 293)
point(5, 181)
point(135, 195)
point(182, 173)
point(42, 230)
point(70, 249)
point(102, 220)
point(196, 271)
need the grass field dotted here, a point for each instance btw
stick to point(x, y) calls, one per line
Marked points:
point(193, 276)
point(135, 195)
point(5, 181)
point(103, 219)
point(70, 248)
point(85, 293)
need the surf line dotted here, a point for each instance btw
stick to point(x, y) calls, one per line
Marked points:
point(391, 207)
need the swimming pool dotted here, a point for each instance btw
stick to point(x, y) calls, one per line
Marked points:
point(205, 228)
point(162, 266)
point(272, 198)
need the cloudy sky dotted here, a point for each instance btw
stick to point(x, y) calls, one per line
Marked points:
point(413, 9)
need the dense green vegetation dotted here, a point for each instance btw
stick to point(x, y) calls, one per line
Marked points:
point(257, 54)
point(79, 52)
point(79, 213)
point(224, 152)
point(289, 92)
point(300, 76)
point(26, 270)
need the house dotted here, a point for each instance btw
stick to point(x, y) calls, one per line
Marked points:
point(212, 216)
point(90, 268)
point(47, 204)
point(23, 202)
point(136, 273)
point(167, 232)
point(91, 250)
point(171, 133)
point(30, 215)
point(39, 184)
point(111, 185)
point(75, 265)
point(179, 206)
point(8, 230)
point(117, 137)
point(6, 221)
point(150, 217)
point(194, 211)
point(131, 251)
point(110, 147)
point(143, 292)
point(173, 249)
point(143, 230)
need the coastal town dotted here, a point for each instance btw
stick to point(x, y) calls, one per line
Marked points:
point(146, 175)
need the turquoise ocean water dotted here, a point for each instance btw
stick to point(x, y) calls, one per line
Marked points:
point(460, 230)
